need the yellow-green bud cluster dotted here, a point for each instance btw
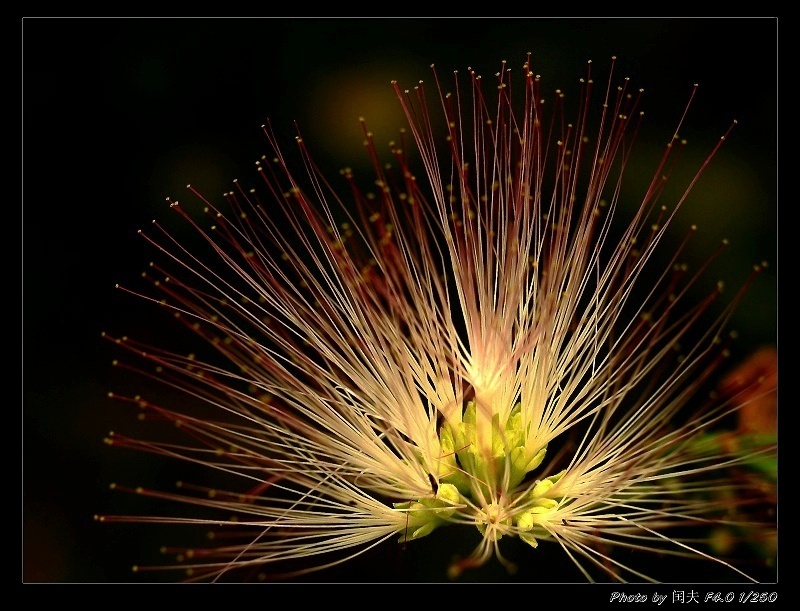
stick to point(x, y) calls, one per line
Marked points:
point(423, 516)
point(472, 473)
point(537, 509)
point(508, 451)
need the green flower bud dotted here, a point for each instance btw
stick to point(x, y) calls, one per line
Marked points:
point(448, 493)
point(525, 521)
point(543, 486)
point(529, 539)
point(420, 532)
point(536, 460)
point(428, 513)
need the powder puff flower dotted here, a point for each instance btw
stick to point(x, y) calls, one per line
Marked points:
point(486, 340)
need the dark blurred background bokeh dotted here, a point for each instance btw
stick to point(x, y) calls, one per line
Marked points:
point(120, 113)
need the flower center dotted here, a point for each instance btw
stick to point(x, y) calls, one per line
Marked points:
point(484, 481)
point(483, 471)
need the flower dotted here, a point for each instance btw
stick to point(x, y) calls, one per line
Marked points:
point(490, 345)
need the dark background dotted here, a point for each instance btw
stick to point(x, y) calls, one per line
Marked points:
point(118, 114)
